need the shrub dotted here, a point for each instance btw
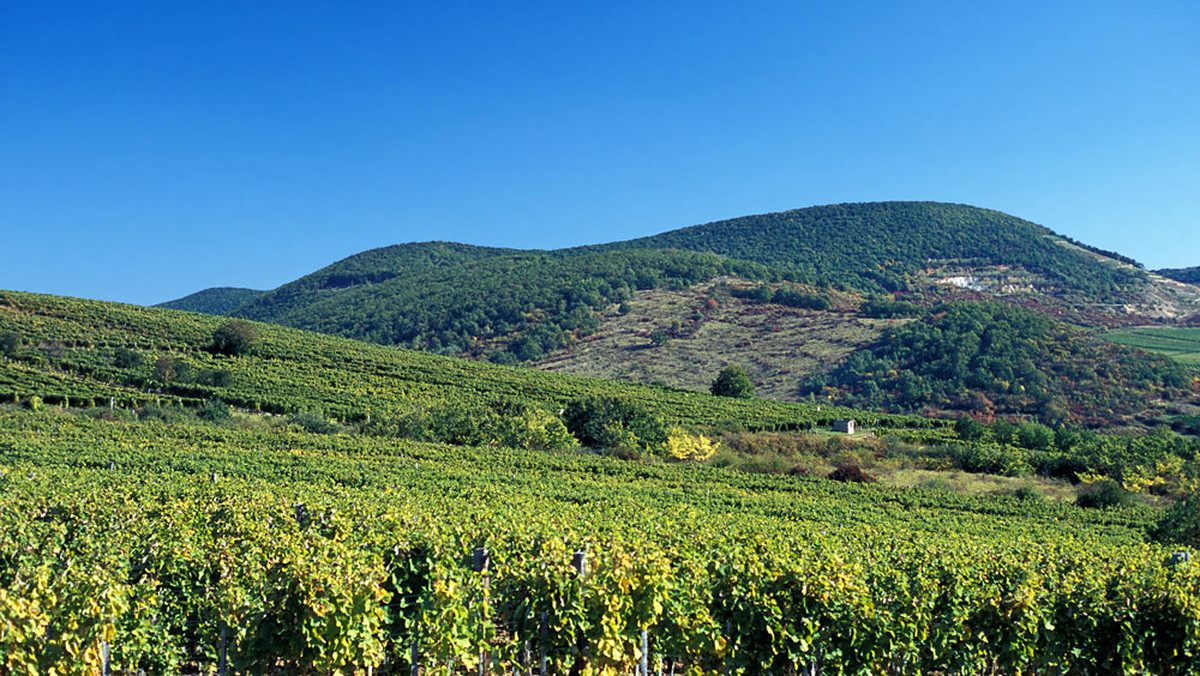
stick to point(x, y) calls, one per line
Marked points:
point(733, 381)
point(215, 411)
point(125, 358)
point(851, 474)
point(234, 337)
point(608, 422)
point(315, 421)
point(684, 446)
point(1180, 524)
point(1105, 494)
point(9, 343)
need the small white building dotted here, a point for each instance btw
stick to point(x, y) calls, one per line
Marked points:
point(843, 426)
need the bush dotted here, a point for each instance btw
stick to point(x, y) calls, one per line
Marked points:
point(235, 337)
point(1180, 524)
point(608, 422)
point(1104, 495)
point(215, 411)
point(9, 343)
point(852, 474)
point(733, 381)
point(125, 358)
point(314, 421)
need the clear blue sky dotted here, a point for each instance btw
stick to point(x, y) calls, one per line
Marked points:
point(151, 149)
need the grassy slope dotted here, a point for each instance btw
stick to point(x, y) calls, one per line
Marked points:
point(777, 345)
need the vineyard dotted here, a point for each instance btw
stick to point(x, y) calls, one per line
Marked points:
point(333, 553)
point(138, 537)
point(1182, 344)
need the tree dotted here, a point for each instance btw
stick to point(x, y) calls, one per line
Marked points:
point(733, 381)
point(234, 337)
point(607, 422)
point(9, 343)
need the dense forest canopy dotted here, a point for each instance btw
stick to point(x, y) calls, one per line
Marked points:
point(534, 301)
point(876, 246)
point(217, 301)
point(991, 359)
point(1187, 275)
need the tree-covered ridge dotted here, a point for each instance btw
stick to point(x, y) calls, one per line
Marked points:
point(533, 302)
point(880, 245)
point(369, 267)
point(216, 301)
point(1186, 275)
point(992, 359)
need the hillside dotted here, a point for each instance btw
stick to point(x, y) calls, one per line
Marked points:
point(591, 310)
point(90, 353)
point(887, 246)
point(314, 527)
point(444, 297)
point(216, 301)
point(1186, 275)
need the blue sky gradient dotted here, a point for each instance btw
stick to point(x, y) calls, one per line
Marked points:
point(151, 149)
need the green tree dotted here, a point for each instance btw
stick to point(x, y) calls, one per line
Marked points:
point(234, 337)
point(9, 343)
point(733, 381)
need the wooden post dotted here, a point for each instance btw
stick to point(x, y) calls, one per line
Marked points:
point(105, 658)
point(645, 662)
point(543, 638)
point(222, 661)
point(482, 562)
point(415, 669)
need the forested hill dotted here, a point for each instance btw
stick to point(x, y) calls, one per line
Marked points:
point(1186, 275)
point(362, 269)
point(880, 245)
point(217, 301)
point(511, 305)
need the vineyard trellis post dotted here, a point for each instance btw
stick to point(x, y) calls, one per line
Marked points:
point(482, 561)
point(645, 661)
point(222, 655)
point(543, 637)
point(105, 659)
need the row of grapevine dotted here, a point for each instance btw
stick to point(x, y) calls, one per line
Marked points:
point(335, 554)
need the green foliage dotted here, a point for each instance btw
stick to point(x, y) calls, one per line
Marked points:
point(995, 359)
point(882, 307)
point(1180, 523)
point(1186, 275)
point(793, 297)
point(1104, 495)
point(216, 301)
point(536, 301)
point(828, 246)
point(968, 428)
point(608, 422)
point(215, 411)
point(733, 381)
point(124, 358)
point(10, 342)
point(314, 421)
point(235, 337)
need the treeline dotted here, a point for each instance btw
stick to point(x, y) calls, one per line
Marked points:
point(879, 246)
point(1185, 275)
point(996, 360)
point(528, 303)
